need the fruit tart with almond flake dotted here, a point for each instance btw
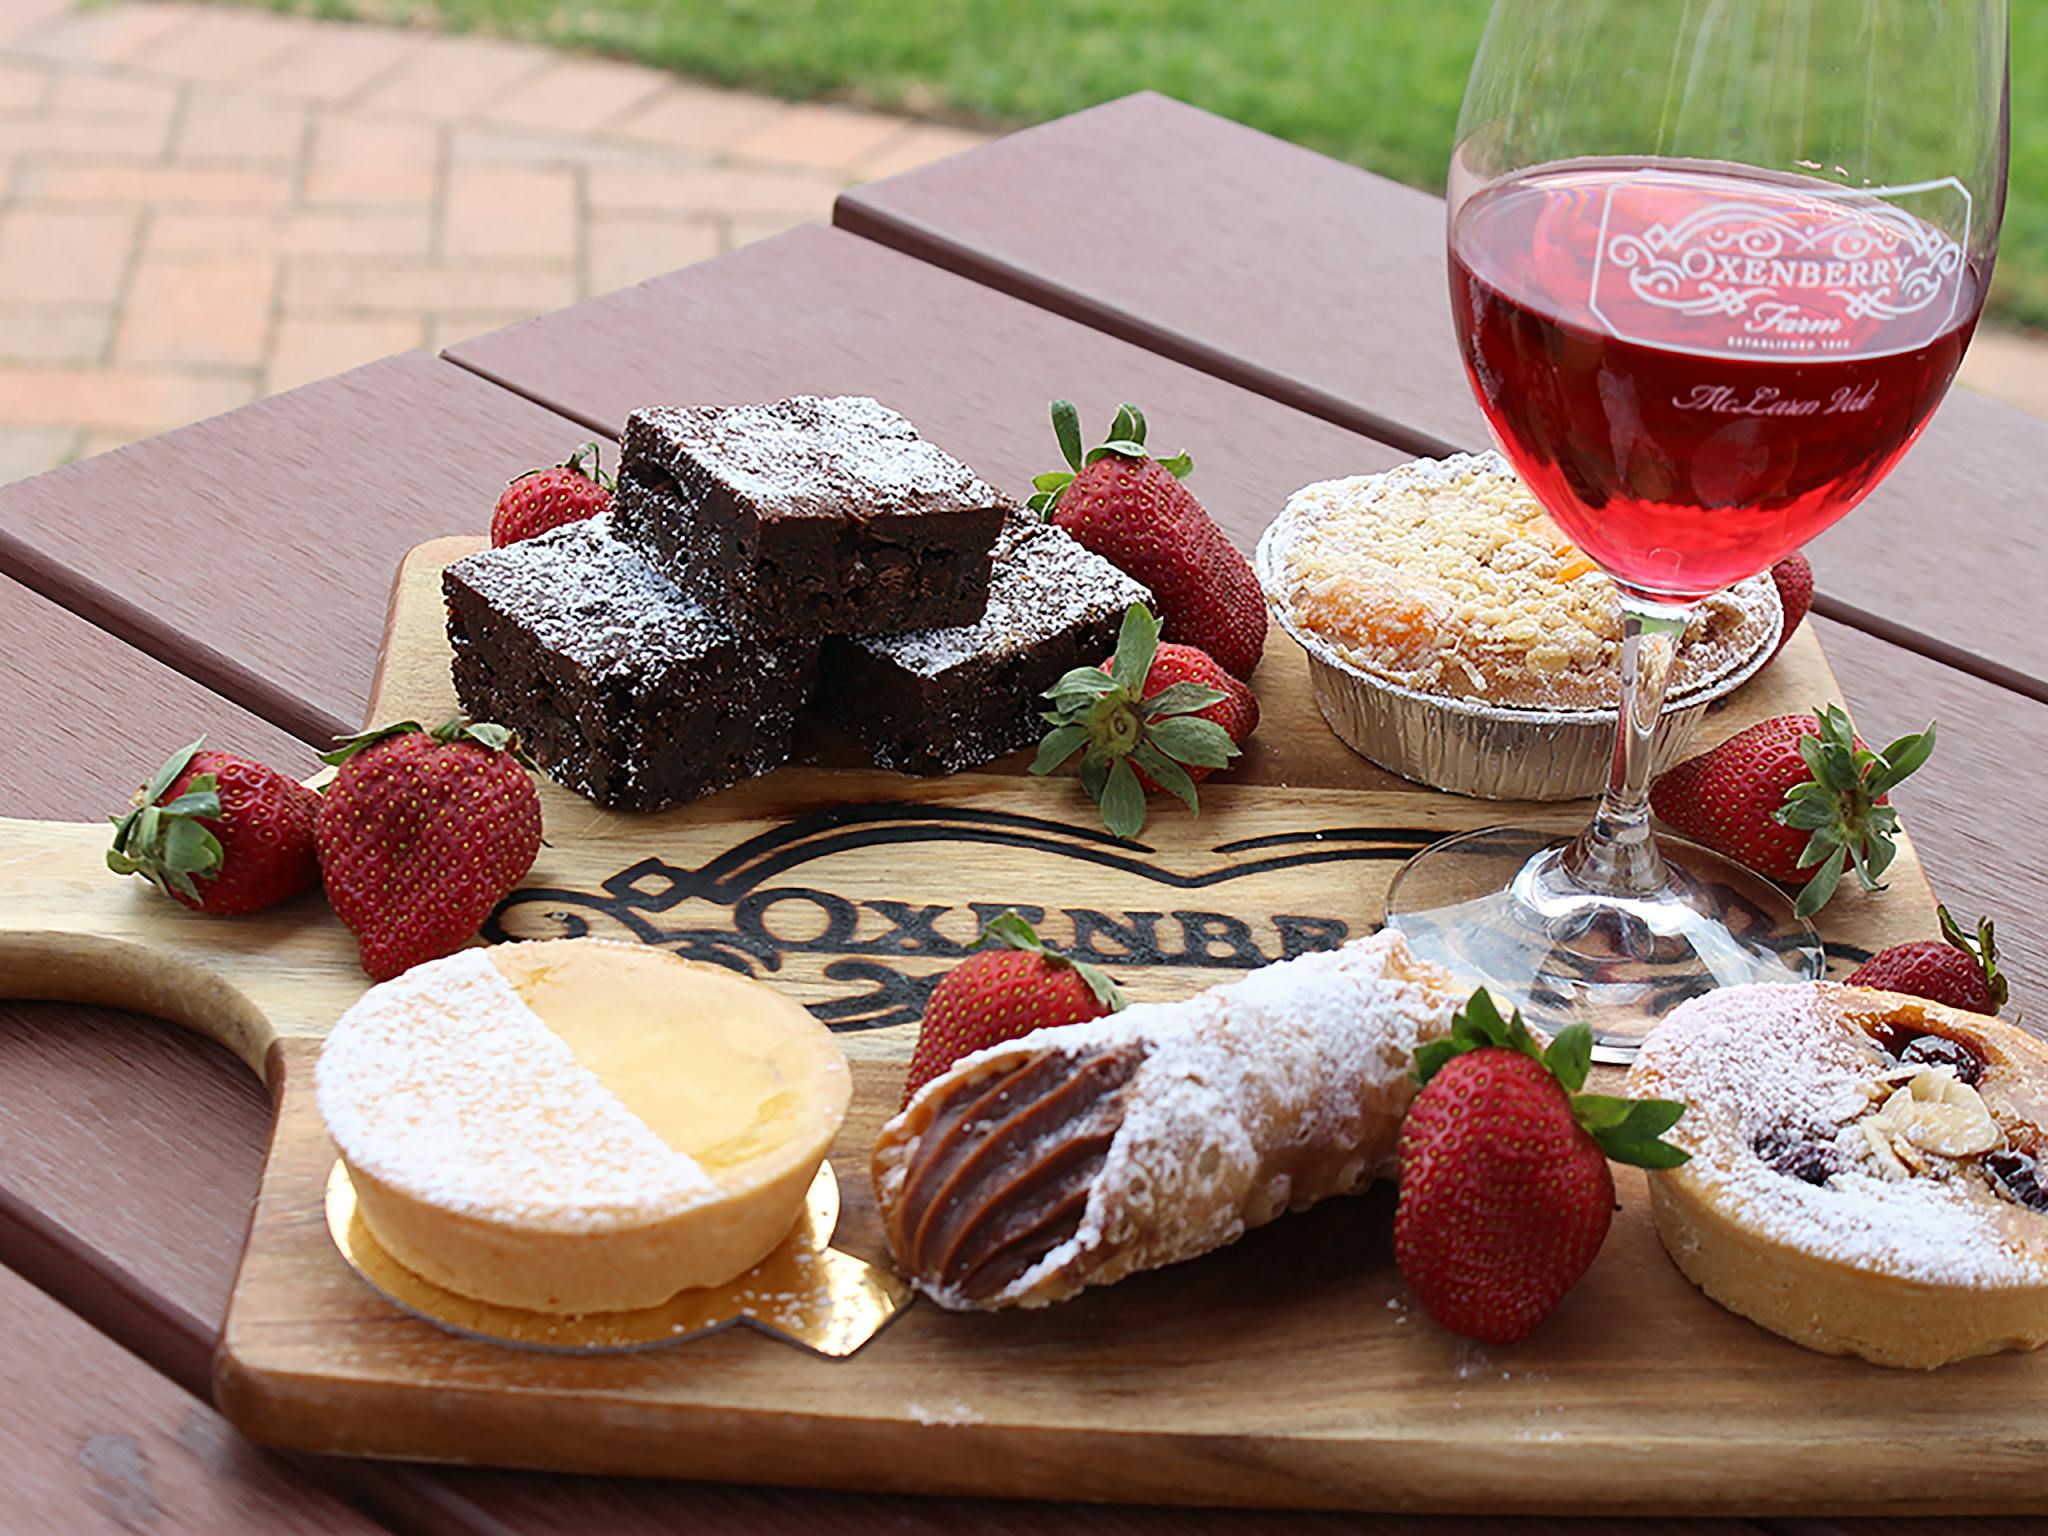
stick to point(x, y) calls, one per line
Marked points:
point(1864, 1175)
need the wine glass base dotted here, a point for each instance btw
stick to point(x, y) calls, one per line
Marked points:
point(1497, 909)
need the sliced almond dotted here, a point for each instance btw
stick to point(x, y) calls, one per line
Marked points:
point(1943, 1114)
point(1917, 1162)
point(1877, 1148)
point(1952, 1130)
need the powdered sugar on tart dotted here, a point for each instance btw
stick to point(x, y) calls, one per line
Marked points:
point(447, 1086)
point(577, 1125)
point(1808, 1133)
point(1864, 1169)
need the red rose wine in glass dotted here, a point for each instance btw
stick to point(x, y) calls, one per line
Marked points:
point(1698, 368)
point(1700, 344)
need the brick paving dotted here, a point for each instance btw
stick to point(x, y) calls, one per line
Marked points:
point(201, 205)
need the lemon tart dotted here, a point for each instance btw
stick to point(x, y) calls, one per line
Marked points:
point(577, 1125)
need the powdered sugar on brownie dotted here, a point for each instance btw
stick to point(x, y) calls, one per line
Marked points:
point(446, 1086)
point(842, 454)
point(583, 593)
point(1760, 1062)
point(1044, 583)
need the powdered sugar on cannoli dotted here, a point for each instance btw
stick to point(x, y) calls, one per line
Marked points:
point(1245, 1101)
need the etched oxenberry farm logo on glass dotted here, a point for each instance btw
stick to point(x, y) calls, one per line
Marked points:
point(1806, 270)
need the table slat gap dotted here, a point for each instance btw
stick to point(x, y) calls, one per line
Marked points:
point(253, 551)
point(915, 239)
point(122, 1449)
point(95, 1286)
point(535, 396)
point(184, 652)
point(1932, 647)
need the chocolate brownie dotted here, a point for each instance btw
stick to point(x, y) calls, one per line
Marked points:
point(812, 516)
point(620, 686)
point(939, 700)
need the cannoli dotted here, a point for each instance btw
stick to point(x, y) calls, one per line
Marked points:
point(1079, 1155)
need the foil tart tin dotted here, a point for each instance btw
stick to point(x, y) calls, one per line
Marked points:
point(1484, 750)
point(805, 1293)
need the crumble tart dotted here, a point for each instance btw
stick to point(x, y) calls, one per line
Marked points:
point(1446, 577)
point(1457, 638)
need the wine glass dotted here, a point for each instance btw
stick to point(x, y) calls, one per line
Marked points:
point(1713, 265)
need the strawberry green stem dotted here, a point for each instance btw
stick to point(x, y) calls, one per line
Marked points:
point(1121, 729)
point(166, 842)
point(1843, 807)
point(1014, 931)
point(1983, 949)
point(1627, 1130)
point(595, 474)
point(486, 734)
point(1126, 439)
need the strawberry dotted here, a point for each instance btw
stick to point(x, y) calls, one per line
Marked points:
point(1794, 580)
point(219, 833)
point(542, 499)
point(1793, 793)
point(421, 834)
point(1959, 971)
point(999, 994)
point(1505, 1191)
point(1132, 510)
point(1184, 721)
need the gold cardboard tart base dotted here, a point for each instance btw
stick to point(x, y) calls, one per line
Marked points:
point(805, 1293)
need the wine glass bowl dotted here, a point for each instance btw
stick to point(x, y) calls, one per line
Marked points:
point(1697, 369)
point(1712, 268)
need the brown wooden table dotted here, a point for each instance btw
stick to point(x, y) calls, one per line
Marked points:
point(1279, 312)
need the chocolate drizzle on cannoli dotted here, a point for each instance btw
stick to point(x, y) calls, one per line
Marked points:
point(1001, 1177)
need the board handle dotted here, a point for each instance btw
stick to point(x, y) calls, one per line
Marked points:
point(72, 931)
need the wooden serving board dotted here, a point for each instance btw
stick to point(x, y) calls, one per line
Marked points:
point(1290, 1370)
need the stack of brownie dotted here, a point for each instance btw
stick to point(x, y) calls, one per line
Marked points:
point(760, 557)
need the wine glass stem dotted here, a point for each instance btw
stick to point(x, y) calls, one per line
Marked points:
point(1617, 854)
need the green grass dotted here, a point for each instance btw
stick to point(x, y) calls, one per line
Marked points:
point(1376, 82)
